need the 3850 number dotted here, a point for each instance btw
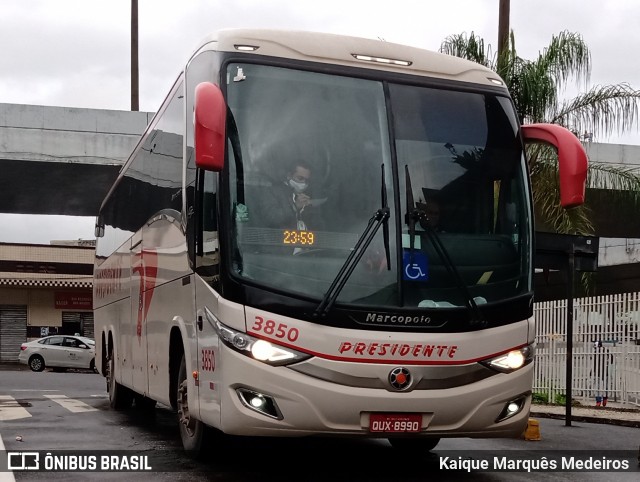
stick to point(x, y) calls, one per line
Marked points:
point(272, 328)
point(208, 360)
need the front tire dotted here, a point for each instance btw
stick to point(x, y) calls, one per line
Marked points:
point(36, 363)
point(120, 397)
point(192, 431)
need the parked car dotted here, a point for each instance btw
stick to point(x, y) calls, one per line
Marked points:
point(59, 351)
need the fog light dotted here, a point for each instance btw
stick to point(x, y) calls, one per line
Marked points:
point(512, 408)
point(259, 402)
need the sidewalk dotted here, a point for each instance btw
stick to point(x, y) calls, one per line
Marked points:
point(11, 366)
point(614, 413)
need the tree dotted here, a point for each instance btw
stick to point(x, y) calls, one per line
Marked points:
point(535, 86)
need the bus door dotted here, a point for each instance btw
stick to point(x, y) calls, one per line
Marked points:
point(209, 360)
point(207, 278)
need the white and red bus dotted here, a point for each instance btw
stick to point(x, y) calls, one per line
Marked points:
point(365, 319)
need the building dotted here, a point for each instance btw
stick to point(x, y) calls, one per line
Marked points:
point(44, 290)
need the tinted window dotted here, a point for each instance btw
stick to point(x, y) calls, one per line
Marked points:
point(333, 130)
point(153, 180)
point(71, 342)
point(310, 158)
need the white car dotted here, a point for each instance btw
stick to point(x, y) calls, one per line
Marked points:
point(59, 351)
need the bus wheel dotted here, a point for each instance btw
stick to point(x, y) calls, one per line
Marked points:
point(414, 445)
point(120, 397)
point(192, 431)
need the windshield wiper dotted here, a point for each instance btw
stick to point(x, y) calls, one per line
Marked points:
point(415, 215)
point(385, 225)
point(379, 218)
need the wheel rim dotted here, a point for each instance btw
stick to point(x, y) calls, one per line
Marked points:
point(184, 417)
point(36, 363)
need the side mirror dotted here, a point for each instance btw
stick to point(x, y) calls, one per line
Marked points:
point(572, 159)
point(82, 345)
point(210, 112)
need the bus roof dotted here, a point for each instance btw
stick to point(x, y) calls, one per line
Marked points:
point(350, 51)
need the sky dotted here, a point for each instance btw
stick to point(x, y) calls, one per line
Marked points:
point(76, 53)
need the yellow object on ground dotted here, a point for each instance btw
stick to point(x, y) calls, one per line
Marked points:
point(532, 432)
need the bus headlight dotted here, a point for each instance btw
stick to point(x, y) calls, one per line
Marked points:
point(266, 351)
point(511, 361)
point(261, 350)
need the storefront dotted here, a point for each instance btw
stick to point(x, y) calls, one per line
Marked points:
point(44, 290)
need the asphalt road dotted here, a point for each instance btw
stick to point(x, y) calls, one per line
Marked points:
point(70, 412)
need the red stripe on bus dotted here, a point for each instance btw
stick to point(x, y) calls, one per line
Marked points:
point(401, 361)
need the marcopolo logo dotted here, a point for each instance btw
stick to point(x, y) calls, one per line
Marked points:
point(394, 319)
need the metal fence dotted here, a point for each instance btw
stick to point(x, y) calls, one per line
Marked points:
point(606, 349)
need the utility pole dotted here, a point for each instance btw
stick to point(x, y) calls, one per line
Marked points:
point(503, 30)
point(135, 90)
point(503, 25)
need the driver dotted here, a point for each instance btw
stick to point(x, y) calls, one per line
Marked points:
point(288, 204)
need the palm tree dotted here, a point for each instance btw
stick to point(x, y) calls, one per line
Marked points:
point(535, 86)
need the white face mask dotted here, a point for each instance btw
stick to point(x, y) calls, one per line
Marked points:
point(298, 186)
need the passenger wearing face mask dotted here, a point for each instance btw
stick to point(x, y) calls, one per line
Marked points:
point(298, 181)
point(289, 204)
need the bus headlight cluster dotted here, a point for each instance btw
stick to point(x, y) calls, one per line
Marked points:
point(261, 350)
point(511, 361)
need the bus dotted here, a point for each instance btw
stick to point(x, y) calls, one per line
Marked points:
point(354, 315)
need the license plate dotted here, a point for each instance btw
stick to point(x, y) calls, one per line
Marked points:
point(395, 422)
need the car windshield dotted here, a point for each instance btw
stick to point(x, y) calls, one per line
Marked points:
point(312, 161)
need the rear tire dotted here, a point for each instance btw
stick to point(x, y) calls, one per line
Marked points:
point(192, 432)
point(36, 363)
point(415, 445)
point(120, 397)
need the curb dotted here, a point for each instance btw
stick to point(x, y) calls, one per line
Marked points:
point(13, 367)
point(588, 419)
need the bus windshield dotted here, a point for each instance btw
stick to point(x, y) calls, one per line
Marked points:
point(314, 156)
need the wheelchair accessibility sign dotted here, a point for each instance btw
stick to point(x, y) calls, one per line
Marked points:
point(414, 266)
